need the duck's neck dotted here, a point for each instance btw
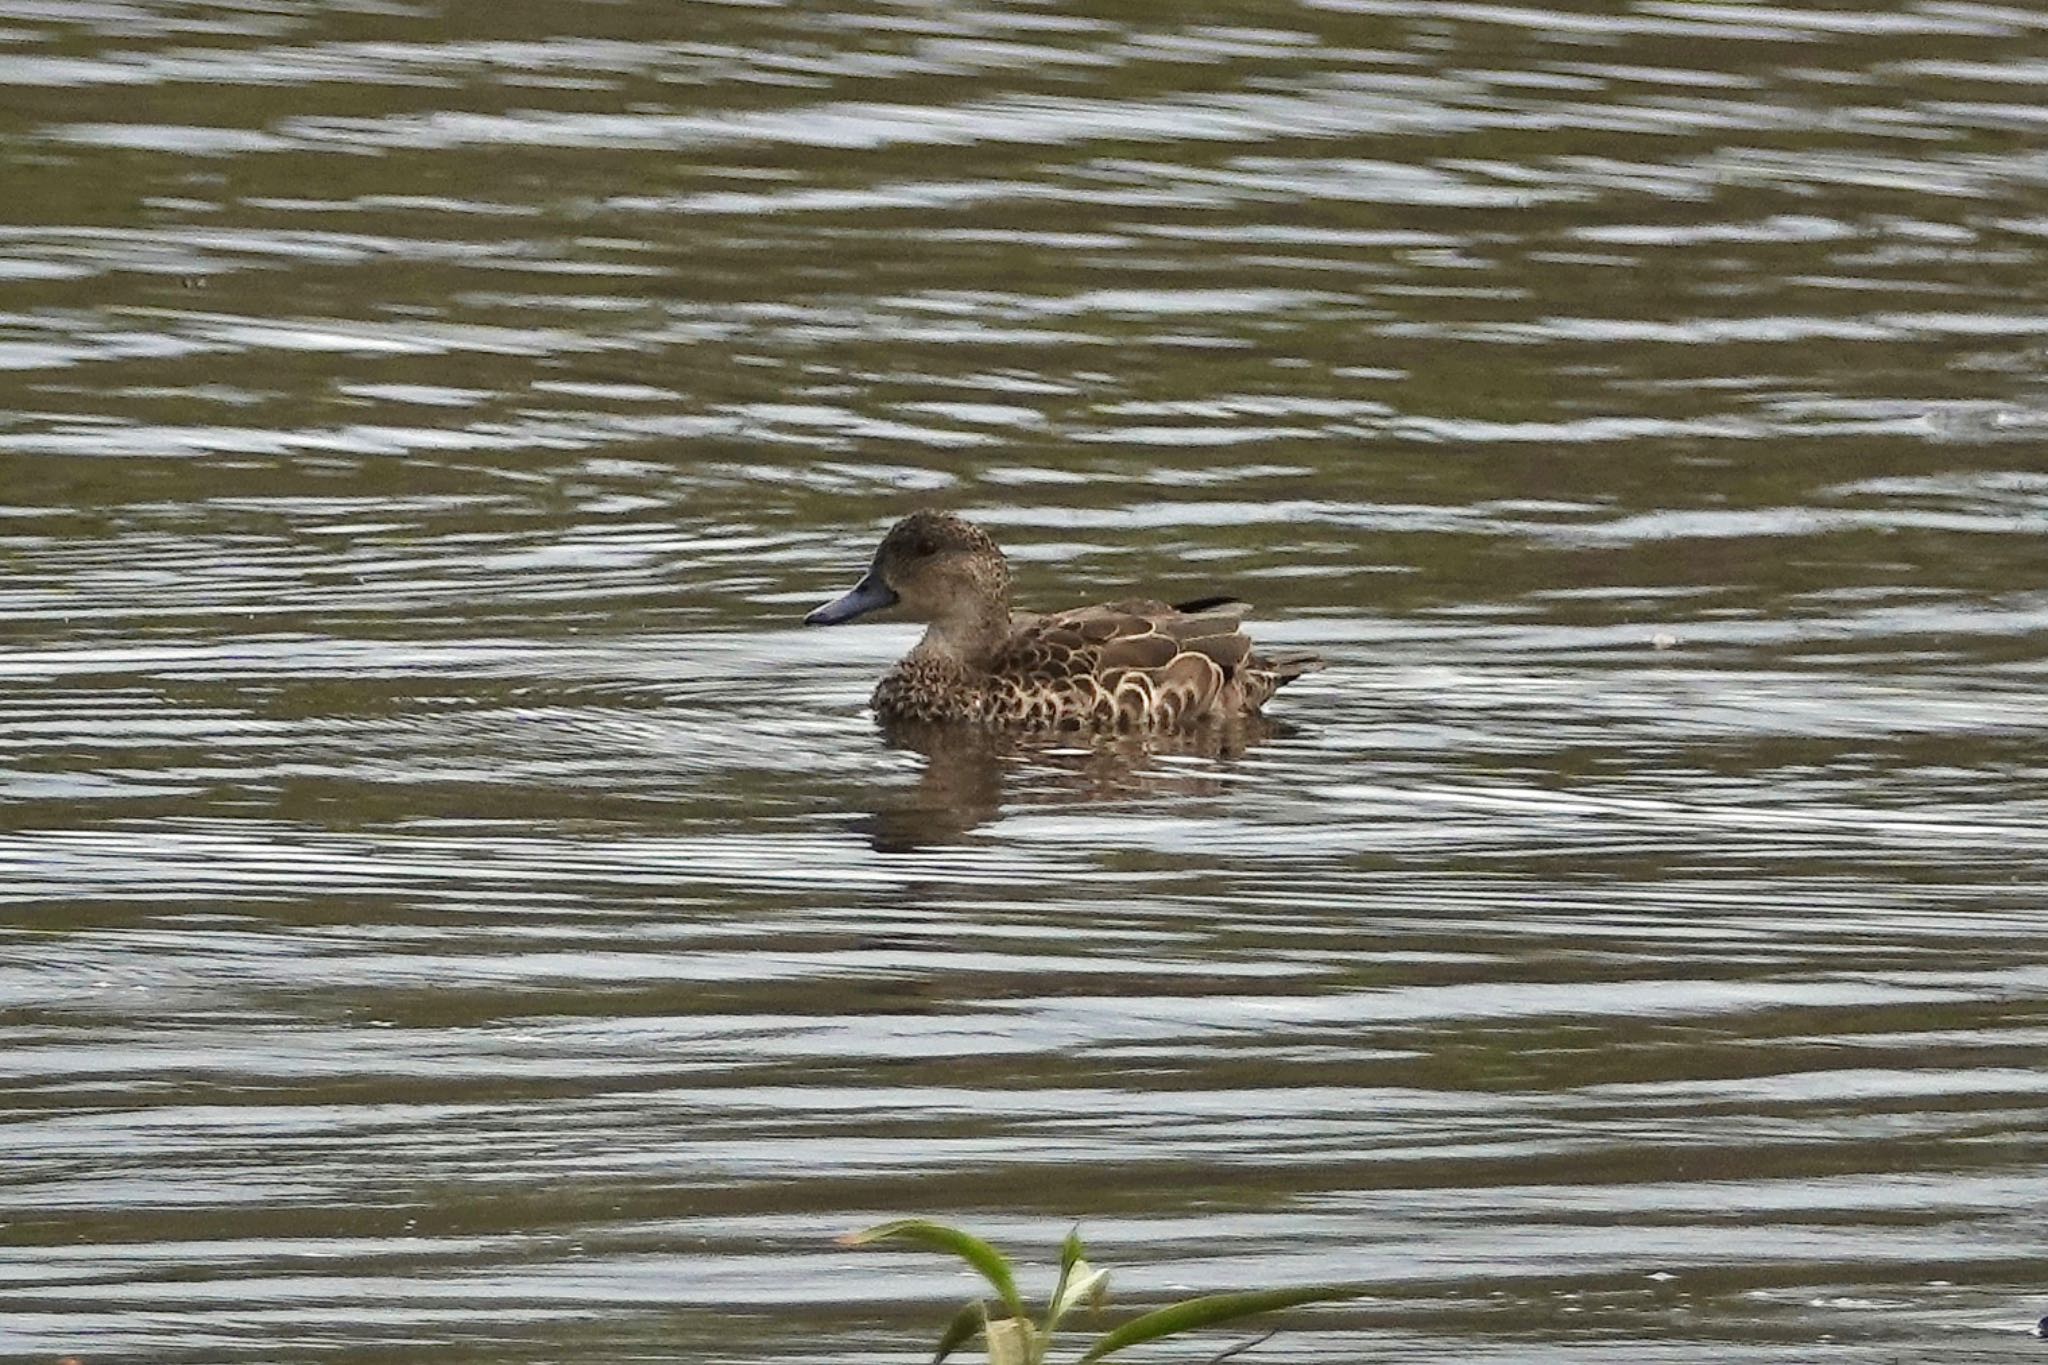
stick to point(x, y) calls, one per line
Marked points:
point(965, 639)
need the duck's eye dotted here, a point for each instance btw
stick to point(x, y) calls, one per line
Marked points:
point(923, 547)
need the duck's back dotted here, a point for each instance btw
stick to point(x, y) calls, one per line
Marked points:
point(1132, 665)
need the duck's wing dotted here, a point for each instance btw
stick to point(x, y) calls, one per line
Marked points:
point(1135, 664)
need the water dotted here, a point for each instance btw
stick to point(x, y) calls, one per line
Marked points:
point(453, 910)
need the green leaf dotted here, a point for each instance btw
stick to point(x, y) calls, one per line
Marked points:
point(967, 1324)
point(1071, 1250)
point(1190, 1314)
point(939, 1237)
point(1072, 1253)
point(1088, 1284)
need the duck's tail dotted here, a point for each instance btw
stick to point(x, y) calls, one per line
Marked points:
point(1268, 673)
point(1291, 665)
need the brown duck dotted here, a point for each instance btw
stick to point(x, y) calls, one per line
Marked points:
point(1123, 666)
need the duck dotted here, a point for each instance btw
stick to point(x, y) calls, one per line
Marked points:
point(1132, 666)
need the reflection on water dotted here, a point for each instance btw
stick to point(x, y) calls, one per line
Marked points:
point(966, 769)
point(453, 909)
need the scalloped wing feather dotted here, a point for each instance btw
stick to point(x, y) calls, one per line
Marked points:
point(1131, 665)
point(1186, 688)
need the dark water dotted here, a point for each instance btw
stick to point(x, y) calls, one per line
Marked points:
point(453, 912)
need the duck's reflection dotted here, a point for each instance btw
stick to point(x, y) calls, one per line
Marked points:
point(969, 772)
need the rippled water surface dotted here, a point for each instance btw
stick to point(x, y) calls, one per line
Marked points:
point(453, 911)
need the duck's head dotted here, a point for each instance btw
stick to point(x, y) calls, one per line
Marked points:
point(935, 567)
